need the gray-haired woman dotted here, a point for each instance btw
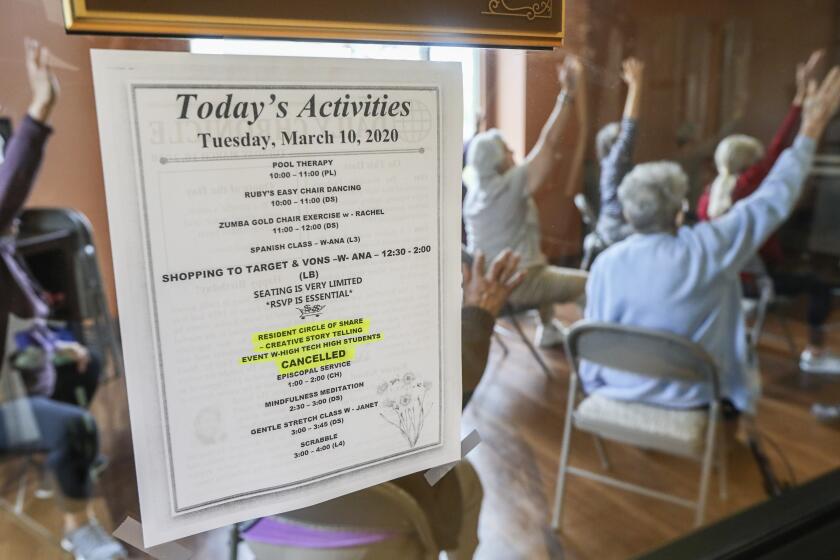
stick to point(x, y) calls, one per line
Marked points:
point(499, 212)
point(686, 279)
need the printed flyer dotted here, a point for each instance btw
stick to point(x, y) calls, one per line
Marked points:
point(286, 247)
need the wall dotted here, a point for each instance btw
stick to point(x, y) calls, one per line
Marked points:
point(678, 39)
point(71, 175)
point(713, 67)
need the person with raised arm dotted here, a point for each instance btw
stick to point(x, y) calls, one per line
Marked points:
point(685, 280)
point(500, 213)
point(66, 433)
point(742, 165)
point(614, 144)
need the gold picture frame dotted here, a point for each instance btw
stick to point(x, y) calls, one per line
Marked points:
point(488, 23)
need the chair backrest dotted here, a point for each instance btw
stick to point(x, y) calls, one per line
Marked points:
point(47, 220)
point(644, 352)
point(58, 247)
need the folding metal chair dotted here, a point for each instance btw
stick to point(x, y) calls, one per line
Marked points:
point(57, 244)
point(758, 309)
point(687, 433)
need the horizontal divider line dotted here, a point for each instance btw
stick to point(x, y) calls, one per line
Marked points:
point(165, 160)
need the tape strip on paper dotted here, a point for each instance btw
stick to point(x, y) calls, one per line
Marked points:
point(131, 532)
point(469, 443)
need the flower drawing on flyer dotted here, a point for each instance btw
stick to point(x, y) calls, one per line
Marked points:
point(404, 404)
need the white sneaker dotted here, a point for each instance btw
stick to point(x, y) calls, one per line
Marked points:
point(826, 412)
point(44, 491)
point(824, 363)
point(91, 542)
point(551, 335)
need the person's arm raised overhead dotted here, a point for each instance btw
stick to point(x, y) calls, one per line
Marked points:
point(618, 160)
point(23, 153)
point(541, 158)
point(752, 177)
point(733, 238)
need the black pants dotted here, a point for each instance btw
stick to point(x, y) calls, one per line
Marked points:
point(67, 434)
point(792, 284)
point(77, 387)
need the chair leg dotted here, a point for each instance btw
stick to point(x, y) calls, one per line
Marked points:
point(706, 470)
point(602, 452)
point(20, 498)
point(559, 493)
point(722, 467)
point(530, 345)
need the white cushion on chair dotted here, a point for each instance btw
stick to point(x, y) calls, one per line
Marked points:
point(678, 431)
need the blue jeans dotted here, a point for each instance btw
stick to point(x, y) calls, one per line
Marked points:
point(66, 433)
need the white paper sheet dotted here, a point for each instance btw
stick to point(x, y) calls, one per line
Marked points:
point(286, 248)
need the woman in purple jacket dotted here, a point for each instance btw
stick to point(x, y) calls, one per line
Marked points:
point(66, 433)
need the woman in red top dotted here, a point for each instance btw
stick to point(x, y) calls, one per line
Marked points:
point(742, 165)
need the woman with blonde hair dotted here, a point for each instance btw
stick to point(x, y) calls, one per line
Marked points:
point(735, 155)
point(742, 165)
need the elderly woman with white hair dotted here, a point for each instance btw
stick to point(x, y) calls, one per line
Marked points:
point(499, 212)
point(742, 164)
point(685, 280)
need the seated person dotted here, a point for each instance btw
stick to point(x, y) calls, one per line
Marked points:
point(614, 144)
point(686, 279)
point(68, 436)
point(19, 293)
point(499, 212)
point(66, 433)
point(742, 165)
point(452, 506)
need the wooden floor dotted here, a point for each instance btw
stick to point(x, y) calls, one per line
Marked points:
point(519, 414)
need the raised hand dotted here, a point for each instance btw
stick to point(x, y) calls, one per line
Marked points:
point(632, 71)
point(42, 81)
point(568, 74)
point(490, 290)
point(821, 102)
point(806, 72)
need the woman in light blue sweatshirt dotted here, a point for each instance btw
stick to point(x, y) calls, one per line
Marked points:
point(684, 279)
